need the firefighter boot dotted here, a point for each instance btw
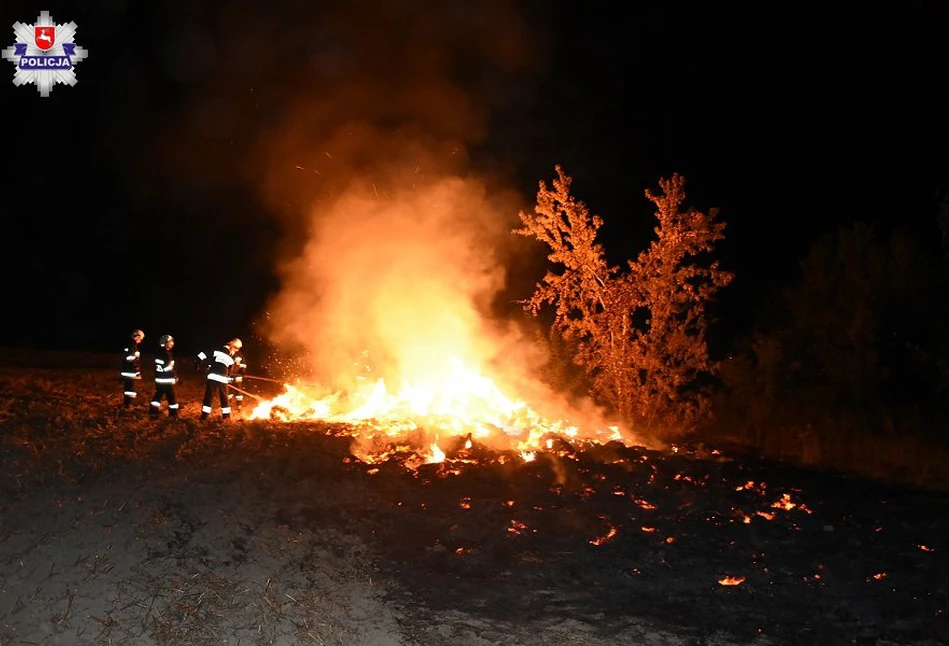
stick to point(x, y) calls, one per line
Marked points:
point(153, 411)
point(127, 402)
point(173, 412)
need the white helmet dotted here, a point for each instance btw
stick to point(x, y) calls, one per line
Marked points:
point(165, 339)
point(235, 343)
point(138, 333)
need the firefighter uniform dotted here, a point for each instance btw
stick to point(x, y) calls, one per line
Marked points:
point(219, 377)
point(237, 378)
point(165, 379)
point(131, 370)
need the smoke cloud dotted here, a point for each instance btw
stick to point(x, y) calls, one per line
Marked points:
point(393, 245)
point(398, 247)
point(361, 133)
point(407, 275)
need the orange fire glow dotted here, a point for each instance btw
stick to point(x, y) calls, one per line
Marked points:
point(390, 296)
point(458, 402)
point(600, 540)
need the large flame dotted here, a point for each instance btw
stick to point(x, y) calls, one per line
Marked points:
point(402, 283)
point(447, 401)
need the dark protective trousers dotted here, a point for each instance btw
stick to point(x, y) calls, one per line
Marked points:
point(236, 396)
point(210, 388)
point(128, 391)
point(164, 391)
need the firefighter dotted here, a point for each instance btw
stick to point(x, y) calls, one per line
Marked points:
point(131, 370)
point(237, 378)
point(218, 377)
point(165, 379)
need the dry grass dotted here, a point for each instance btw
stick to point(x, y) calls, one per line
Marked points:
point(64, 433)
point(142, 542)
point(119, 529)
point(68, 423)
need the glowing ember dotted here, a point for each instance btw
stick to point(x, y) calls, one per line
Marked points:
point(784, 503)
point(756, 487)
point(516, 527)
point(600, 540)
point(731, 580)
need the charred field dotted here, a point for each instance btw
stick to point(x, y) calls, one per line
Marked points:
point(119, 529)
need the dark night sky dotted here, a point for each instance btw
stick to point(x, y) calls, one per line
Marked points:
point(159, 190)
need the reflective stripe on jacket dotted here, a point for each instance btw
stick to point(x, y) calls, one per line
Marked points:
point(165, 368)
point(221, 365)
point(131, 362)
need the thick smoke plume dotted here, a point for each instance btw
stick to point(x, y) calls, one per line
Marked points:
point(365, 129)
point(397, 248)
point(398, 285)
point(406, 277)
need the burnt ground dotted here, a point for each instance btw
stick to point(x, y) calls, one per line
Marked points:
point(825, 559)
point(583, 543)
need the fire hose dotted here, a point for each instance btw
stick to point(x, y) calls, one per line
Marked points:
point(257, 397)
point(281, 382)
point(244, 392)
point(276, 381)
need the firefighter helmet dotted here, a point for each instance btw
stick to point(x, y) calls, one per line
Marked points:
point(235, 343)
point(165, 339)
point(138, 334)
